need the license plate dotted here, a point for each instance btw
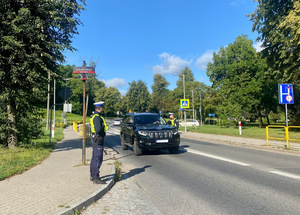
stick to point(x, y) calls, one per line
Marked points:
point(162, 141)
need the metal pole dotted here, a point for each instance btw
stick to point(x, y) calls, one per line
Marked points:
point(200, 111)
point(193, 105)
point(184, 98)
point(83, 127)
point(48, 101)
point(286, 116)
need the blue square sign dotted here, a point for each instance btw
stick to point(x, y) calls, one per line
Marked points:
point(286, 94)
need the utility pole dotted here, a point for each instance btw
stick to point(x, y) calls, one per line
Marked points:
point(200, 111)
point(184, 98)
point(193, 105)
point(53, 126)
point(48, 101)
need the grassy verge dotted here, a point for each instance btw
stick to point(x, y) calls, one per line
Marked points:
point(247, 131)
point(16, 161)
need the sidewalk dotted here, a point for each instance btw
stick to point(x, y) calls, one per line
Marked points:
point(279, 146)
point(60, 184)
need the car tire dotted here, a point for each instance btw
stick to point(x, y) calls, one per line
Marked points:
point(124, 146)
point(173, 150)
point(137, 151)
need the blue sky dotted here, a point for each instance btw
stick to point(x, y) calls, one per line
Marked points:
point(134, 39)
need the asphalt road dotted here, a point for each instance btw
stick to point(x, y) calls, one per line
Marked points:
point(207, 178)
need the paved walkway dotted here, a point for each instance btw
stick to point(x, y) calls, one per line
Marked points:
point(59, 184)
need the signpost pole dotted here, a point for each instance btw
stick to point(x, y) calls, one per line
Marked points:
point(83, 127)
point(84, 70)
point(286, 116)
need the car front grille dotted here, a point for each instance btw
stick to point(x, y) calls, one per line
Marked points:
point(161, 134)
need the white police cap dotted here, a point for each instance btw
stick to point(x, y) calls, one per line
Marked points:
point(99, 104)
point(171, 114)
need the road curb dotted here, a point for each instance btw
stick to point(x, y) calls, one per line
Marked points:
point(84, 203)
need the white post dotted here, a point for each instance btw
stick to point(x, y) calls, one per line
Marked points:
point(48, 99)
point(53, 126)
point(240, 127)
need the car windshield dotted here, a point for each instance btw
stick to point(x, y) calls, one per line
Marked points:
point(149, 119)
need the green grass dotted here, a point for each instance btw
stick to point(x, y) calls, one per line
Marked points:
point(15, 161)
point(118, 174)
point(249, 131)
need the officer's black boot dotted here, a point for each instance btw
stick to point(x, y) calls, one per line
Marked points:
point(98, 181)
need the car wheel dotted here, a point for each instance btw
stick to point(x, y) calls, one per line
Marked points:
point(136, 149)
point(124, 146)
point(173, 150)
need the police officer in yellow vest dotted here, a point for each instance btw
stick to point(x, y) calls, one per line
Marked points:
point(173, 121)
point(98, 127)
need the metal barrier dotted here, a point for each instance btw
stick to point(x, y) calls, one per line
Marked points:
point(75, 126)
point(286, 129)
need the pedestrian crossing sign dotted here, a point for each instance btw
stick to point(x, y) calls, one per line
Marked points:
point(184, 103)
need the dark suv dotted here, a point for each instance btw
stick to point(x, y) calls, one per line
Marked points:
point(148, 131)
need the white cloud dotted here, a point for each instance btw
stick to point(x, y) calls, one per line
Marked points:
point(116, 82)
point(205, 59)
point(258, 46)
point(171, 64)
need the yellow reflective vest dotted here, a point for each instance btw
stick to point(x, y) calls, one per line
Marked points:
point(173, 122)
point(93, 126)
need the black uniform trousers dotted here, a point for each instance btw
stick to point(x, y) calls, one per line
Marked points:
point(97, 157)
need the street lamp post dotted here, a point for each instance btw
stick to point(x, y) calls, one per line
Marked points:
point(200, 111)
point(183, 79)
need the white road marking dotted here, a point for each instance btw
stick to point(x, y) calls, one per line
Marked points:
point(285, 174)
point(217, 157)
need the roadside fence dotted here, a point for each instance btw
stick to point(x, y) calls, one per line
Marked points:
point(286, 133)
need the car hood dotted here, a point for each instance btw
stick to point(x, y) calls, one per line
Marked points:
point(154, 127)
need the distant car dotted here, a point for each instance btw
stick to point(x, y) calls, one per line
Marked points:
point(117, 122)
point(189, 122)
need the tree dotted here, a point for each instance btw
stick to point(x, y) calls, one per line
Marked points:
point(160, 92)
point(238, 74)
point(278, 24)
point(33, 36)
point(111, 96)
point(138, 96)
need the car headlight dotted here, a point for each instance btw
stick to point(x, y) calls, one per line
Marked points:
point(143, 133)
point(175, 132)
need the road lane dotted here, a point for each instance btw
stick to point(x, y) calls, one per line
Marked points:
point(189, 183)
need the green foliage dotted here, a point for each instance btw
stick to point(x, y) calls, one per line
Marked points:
point(278, 24)
point(160, 93)
point(138, 96)
point(239, 76)
point(111, 96)
point(33, 36)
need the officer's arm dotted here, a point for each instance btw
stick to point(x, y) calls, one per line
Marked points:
point(97, 124)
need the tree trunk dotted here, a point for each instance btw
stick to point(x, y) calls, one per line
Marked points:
point(260, 122)
point(268, 119)
point(12, 140)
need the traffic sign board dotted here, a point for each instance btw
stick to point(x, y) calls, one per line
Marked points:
point(65, 93)
point(184, 103)
point(286, 94)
